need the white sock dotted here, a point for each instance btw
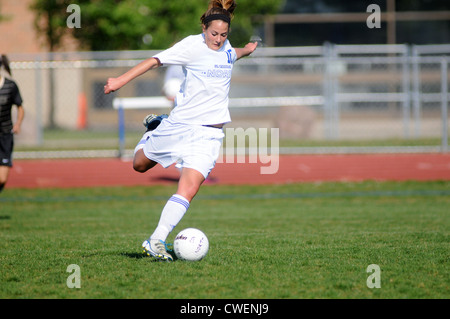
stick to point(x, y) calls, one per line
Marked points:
point(171, 215)
point(142, 142)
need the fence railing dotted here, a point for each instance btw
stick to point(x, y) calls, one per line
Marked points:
point(323, 93)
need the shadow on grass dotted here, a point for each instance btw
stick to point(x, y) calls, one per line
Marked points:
point(141, 255)
point(134, 255)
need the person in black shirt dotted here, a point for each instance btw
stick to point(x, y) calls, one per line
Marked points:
point(9, 96)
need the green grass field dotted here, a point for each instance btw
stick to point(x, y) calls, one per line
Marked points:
point(296, 241)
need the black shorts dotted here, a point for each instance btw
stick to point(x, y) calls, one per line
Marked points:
point(6, 149)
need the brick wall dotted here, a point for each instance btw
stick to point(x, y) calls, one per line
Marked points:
point(17, 32)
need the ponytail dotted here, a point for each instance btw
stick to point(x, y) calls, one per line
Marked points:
point(219, 10)
point(228, 5)
point(4, 64)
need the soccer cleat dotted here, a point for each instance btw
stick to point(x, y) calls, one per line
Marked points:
point(157, 249)
point(152, 121)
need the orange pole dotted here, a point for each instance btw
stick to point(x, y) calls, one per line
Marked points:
point(82, 112)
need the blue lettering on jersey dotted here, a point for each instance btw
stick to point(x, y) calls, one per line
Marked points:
point(221, 70)
point(229, 56)
point(219, 73)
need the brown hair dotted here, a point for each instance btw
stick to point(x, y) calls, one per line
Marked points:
point(5, 63)
point(219, 9)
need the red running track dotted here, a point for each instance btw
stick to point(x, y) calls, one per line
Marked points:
point(291, 169)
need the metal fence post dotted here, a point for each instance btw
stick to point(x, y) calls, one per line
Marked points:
point(121, 122)
point(444, 104)
point(39, 101)
point(417, 105)
point(406, 93)
point(326, 92)
point(329, 92)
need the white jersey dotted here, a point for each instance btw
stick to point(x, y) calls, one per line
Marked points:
point(203, 95)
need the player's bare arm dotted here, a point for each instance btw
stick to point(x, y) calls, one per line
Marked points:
point(247, 50)
point(113, 84)
point(20, 115)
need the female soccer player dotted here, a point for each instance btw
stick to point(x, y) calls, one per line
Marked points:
point(9, 96)
point(192, 134)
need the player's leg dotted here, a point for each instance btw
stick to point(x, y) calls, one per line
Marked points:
point(174, 210)
point(189, 183)
point(141, 163)
point(178, 204)
point(6, 149)
point(4, 172)
point(196, 168)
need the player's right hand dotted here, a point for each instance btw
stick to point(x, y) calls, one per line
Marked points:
point(111, 85)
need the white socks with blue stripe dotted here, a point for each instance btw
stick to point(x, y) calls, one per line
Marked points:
point(171, 215)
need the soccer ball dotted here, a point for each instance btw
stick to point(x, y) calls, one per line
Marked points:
point(191, 244)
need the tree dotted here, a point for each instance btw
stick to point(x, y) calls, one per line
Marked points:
point(156, 24)
point(50, 22)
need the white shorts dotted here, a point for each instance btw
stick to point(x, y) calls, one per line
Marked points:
point(192, 146)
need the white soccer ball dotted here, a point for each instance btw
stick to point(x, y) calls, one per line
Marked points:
point(191, 244)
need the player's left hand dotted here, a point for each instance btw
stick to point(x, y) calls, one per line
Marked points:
point(16, 129)
point(251, 47)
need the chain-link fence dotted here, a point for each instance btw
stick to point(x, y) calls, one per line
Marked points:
point(370, 96)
